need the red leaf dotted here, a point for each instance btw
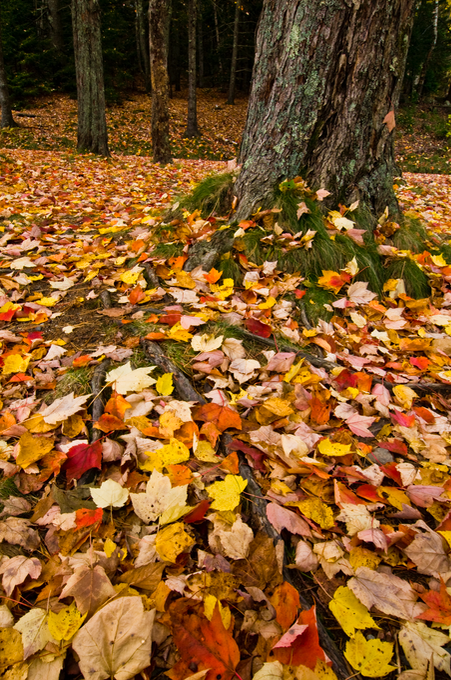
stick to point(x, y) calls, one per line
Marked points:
point(86, 517)
point(395, 446)
point(82, 361)
point(285, 601)
point(258, 328)
point(305, 648)
point(109, 423)
point(221, 416)
point(403, 419)
point(81, 458)
point(171, 319)
point(439, 606)
point(198, 514)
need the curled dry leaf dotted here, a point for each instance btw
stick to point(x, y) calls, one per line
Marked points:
point(16, 569)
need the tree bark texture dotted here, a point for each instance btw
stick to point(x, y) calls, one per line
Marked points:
point(326, 74)
point(236, 31)
point(192, 129)
point(92, 131)
point(56, 29)
point(7, 119)
point(141, 44)
point(158, 20)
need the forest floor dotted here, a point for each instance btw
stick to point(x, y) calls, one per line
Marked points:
point(343, 426)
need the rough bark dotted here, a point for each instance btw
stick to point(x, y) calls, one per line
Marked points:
point(192, 129)
point(92, 133)
point(158, 21)
point(141, 44)
point(325, 76)
point(56, 29)
point(236, 31)
point(7, 119)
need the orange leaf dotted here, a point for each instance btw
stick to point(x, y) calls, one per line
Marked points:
point(285, 601)
point(203, 644)
point(211, 432)
point(86, 517)
point(439, 606)
point(82, 361)
point(179, 475)
point(7, 420)
point(320, 412)
point(136, 295)
point(117, 405)
point(186, 433)
point(213, 276)
point(109, 423)
point(304, 648)
point(156, 336)
point(231, 463)
point(222, 416)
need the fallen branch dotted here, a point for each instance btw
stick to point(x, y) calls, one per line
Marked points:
point(97, 385)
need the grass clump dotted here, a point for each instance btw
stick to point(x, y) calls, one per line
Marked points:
point(411, 236)
point(76, 380)
point(212, 195)
point(415, 280)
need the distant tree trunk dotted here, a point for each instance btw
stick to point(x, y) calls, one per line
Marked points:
point(218, 39)
point(175, 56)
point(141, 44)
point(424, 68)
point(92, 131)
point(236, 31)
point(158, 20)
point(323, 82)
point(191, 129)
point(200, 40)
point(56, 29)
point(7, 119)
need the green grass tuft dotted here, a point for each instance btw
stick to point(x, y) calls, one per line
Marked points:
point(411, 236)
point(415, 280)
point(314, 301)
point(212, 195)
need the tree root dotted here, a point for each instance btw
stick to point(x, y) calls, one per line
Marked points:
point(97, 407)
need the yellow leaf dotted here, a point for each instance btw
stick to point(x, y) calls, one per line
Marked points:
point(361, 557)
point(205, 452)
point(226, 494)
point(318, 511)
point(64, 625)
point(169, 423)
point(131, 276)
point(294, 370)
point(165, 385)
point(185, 280)
point(446, 535)
point(210, 602)
point(32, 449)
point(47, 301)
point(109, 547)
point(323, 671)
point(328, 448)
point(171, 454)
point(439, 260)
point(15, 363)
point(350, 613)
point(11, 648)
point(404, 396)
point(270, 302)
point(223, 291)
point(37, 425)
point(371, 658)
point(177, 332)
point(396, 497)
point(171, 541)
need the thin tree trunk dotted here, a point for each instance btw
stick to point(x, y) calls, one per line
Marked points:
point(56, 29)
point(236, 31)
point(424, 68)
point(200, 41)
point(175, 56)
point(92, 133)
point(143, 52)
point(218, 40)
point(323, 82)
point(158, 20)
point(7, 119)
point(192, 129)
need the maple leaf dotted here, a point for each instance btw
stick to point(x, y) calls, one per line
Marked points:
point(439, 606)
point(90, 587)
point(16, 569)
point(369, 657)
point(300, 644)
point(207, 644)
point(126, 379)
point(160, 500)
point(82, 457)
point(110, 494)
point(221, 416)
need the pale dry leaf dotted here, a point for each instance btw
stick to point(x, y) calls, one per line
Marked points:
point(90, 587)
point(47, 667)
point(388, 593)
point(236, 542)
point(359, 294)
point(62, 408)
point(16, 569)
point(305, 559)
point(420, 643)
point(427, 552)
point(206, 343)
point(357, 518)
point(35, 631)
point(14, 505)
point(18, 531)
point(233, 348)
point(6, 618)
point(109, 494)
point(244, 369)
point(282, 518)
point(158, 498)
point(116, 642)
point(126, 379)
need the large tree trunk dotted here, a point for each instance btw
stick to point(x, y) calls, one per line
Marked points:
point(236, 31)
point(7, 119)
point(56, 29)
point(158, 20)
point(92, 131)
point(325, 77)
point(191, 128)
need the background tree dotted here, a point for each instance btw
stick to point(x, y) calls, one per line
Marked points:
point(142, 43)
point(158, 20)
point(192, 129)
point(92, 131)
point(236, 31)
point(323, 83)
point(56, 29)
point(7, 119)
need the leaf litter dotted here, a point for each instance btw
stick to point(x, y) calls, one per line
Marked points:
point(149, 521)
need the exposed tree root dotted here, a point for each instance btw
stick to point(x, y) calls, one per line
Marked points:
point(98, 405)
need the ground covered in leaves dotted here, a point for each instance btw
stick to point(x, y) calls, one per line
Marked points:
point(298, 480)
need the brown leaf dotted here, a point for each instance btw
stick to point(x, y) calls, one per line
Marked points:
point(90, 587)
point(389, 120)
point(146, 577)
point(18, 532)
point(261, 566)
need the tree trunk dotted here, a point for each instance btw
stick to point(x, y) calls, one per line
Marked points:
point(92, 131)
point(191, 129)
point(324, 79)
point(174, 61)
point(158, 20)
point(200, 41)
point(425, 65)
point(141, 44)
point(218, 39)
point(7, 119)
point(56, 29)
point(236, 30)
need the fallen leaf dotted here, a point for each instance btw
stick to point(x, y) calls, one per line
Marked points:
point(171, 541)
point(160, 499)
point(35, 631)
point(226, 494)
point(65, 623)
point(110, 494)
point(126, 379)
point(62, 408)
point(351, 614)
point(16, 569)
point(421, 643)
point(90, 587)
point(371, 658)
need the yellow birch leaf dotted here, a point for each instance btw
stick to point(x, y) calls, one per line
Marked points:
point(350, 613)
point(328, 448)
point(165, 385)
point(64, 625)
point(404, 396)
point(109, 547)
point(210, 602)
point(32, 449)
point(47, 301)
point(171, 541)
point(270, 302)
point(324, 672)
point(205, 452)
point(171, 454)
point(361, 557)
point(177, 332)
point(294, 370)
point(446, 535)
point(130, 277)
point(226, 494)
point(15, 363)
point(318, 511)
point(11, 648)
point(37, 425)
point(371, 658)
